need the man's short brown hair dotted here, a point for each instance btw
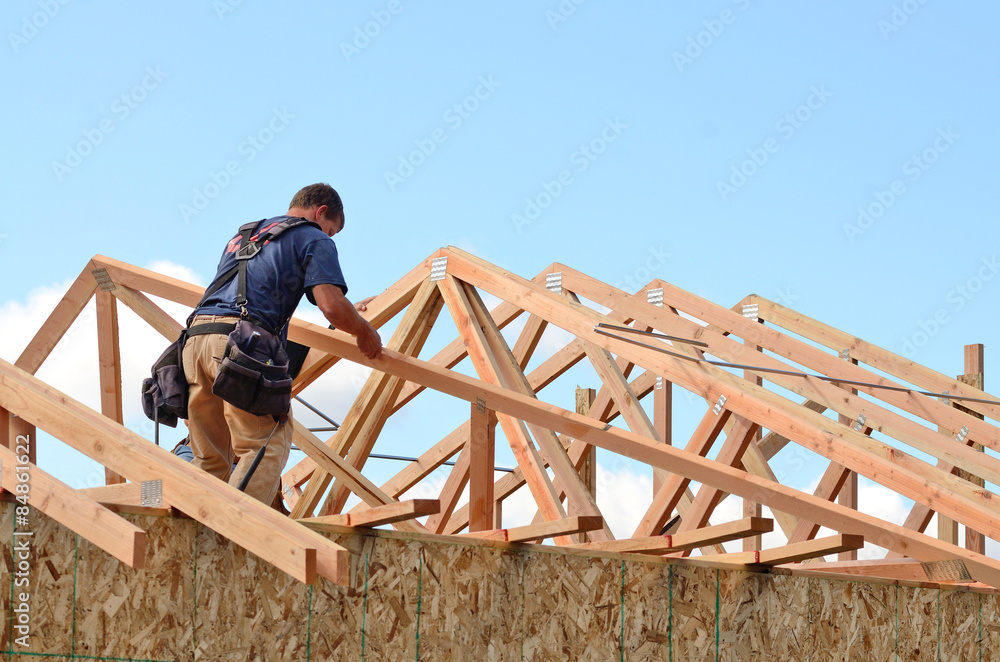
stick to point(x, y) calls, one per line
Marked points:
point(317, 195)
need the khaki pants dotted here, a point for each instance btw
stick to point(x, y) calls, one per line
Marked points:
point(221, 434)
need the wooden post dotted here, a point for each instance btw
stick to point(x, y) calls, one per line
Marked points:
point(848, 496)
point(752, 508)
point(974, 376)
point(109, 358)
point(482, 446)
point(584, 401)
point(663, 404)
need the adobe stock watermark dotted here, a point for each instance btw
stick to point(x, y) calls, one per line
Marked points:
point(562, 12)
point(224, 7)
point(913, 169)
point(786, 128)
point(642, 274)
point(703, 40)
point(959, 297)
point(21, 586)
point(898, 17)
point(219, 180)
point(453, 117)
point(30, 25)
point(121, 108)
point(363, 35)
point(581, 159)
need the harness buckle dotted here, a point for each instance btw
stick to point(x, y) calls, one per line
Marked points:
point(248, 251)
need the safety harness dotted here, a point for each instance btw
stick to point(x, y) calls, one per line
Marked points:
point(249, 247)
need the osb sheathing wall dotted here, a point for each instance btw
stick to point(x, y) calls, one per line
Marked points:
point(203, 598)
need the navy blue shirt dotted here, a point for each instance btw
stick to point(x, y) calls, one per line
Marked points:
point(284, 269)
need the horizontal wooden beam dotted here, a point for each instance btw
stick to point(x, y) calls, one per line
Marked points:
point(397, 511)
point(78, 513)
point(710, 535)
point(550, 529)
point(811, 549)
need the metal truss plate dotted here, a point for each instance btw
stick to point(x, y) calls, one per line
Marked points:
point(717, 409)
point(103, 279)
point(859, 424)
point(151, 493)
point(751, 311)
point(655, 296)
point(439, 267)
point(553, 282)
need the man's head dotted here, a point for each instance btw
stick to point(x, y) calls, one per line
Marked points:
point(320, 203)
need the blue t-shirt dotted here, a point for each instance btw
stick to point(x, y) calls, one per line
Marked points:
point(279, 274)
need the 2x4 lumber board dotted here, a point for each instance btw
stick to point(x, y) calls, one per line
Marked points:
point(58, 321)
point(551, 529)
point(527, 341)
point(151, 313)
point(584, 403)
point(17, 428)
point(412, 332)
point(579, 499)
point(752, 508)
point(974, 376)
point(905, 569)
point(527, 456)
point(451, 492)
point(110, 365)
point(694, 467)
point(390, 513)
point(669, 494)
point(709, 535)
point(219, 506)
point(663, 403)
point(877, 357)
point(795, 552)
point(772, 443)
point(116, 536)
point(482, 454)
point(379, 310)
point(899, 427)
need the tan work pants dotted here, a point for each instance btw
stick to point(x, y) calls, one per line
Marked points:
point(221, 434)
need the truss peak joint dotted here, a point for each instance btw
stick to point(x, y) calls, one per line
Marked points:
point(751, 311)
point(719, 404)
point(439, 267)
point(553, 282)
point(103, 279)
point(151, 493)
point(655, 296)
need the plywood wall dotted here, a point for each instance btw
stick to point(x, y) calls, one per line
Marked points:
point(203, 598)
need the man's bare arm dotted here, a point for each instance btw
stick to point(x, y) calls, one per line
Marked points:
point(341, 313)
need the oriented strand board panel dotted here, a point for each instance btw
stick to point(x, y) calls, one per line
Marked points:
point(202, 597)
point(246, 608)
point(586, 594)
point(139, 614)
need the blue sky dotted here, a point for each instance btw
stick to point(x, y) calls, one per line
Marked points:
point(839, 158)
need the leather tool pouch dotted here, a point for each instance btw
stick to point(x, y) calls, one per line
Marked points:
point(253, 374)
point(165, 392)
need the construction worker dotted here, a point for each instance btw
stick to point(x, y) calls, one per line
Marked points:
point(303, 259)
